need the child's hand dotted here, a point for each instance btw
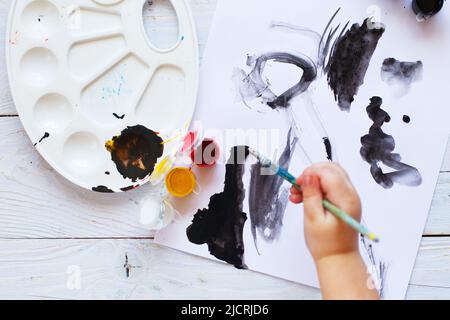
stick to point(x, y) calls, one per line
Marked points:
point(333, 244)
point(325, 234)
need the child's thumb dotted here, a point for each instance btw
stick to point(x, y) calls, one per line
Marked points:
point(312, 197)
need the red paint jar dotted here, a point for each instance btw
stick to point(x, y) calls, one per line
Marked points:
point(206, 154)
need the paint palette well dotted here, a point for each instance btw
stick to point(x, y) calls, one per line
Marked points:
point(96, 97)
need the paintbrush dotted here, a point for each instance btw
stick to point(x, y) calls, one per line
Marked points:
point(339, 213)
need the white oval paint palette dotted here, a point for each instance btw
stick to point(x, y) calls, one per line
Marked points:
point(97, 99)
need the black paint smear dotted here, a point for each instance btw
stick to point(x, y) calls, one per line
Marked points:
point(118, 117)
point(102, 189)
point(45, 136)
point(267, 199)
point(328, 148)
point(378, 147)
point(406, 119)
point(253, 85)
point(136, 151)
point(400, 71)
point(221, 225)
point(379, 267)
point(129, 188)
point(349, 60)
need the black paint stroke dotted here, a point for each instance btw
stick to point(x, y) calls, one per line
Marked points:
point(402, 72)
point(136, 151)
point(102, 189)
point(118, 117)
point(326, 43)
point(253, 85)
point(377, 147)
point(221, 225)
point(267, 199)
point(349, 60)
point(378, 268)
point(45, 136)
point(328, 148)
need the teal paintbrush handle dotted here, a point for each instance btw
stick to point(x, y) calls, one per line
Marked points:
point(344, 216)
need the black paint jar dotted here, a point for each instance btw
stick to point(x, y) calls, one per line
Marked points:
point(425, 9)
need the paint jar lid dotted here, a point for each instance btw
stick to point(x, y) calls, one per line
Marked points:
point(180, 182)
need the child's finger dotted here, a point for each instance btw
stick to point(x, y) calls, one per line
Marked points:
point(312, 197)
point(296, 198)
point(294, 190)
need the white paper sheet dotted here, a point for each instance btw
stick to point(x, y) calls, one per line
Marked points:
point(397, 215)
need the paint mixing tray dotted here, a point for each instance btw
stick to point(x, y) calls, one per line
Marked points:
point(96, 97)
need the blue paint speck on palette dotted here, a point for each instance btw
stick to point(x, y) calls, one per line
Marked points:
point(115, 85)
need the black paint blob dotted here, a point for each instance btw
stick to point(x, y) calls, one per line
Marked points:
point(254, 85)
point(45, 136)
point(377, 148)
point(136, 151)
point(406, 119)
point(349, 60)
point(267, 199)
point(221, 225)
point(102, 189)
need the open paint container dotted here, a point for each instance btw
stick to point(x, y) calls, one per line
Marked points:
point(206, 154)
point(99, 101)
point(181, 182)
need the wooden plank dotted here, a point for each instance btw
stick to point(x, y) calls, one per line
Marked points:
point(202, 10)
point(38, 203)
point(431, 275)
point(439, 218)
point(34, 269)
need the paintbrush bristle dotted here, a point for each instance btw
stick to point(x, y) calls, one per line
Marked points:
point(263, 160)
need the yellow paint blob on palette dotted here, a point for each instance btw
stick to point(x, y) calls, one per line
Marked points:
point(181, 182)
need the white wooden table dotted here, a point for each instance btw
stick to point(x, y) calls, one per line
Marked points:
point(53, 234)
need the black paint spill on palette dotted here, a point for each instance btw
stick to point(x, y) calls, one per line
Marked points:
point(129, 188)
point(221, 225)
point(401, 72)
point(45, 136)
point(377, 147)
point(349, 60)
point(102, 189)
point(136, 151)
point(267, 199)
point(253, 85)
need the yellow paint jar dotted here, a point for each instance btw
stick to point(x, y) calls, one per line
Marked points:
point(181, 182)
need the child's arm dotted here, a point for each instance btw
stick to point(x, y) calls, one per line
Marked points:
point(333, 244)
